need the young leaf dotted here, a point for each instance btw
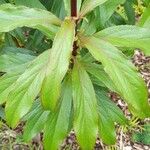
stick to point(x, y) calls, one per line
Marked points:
point(35, 122)
point(25, 90)
point(127, 36)
point(58, 123)
point(85, 108)
point(58, 64)
point(12, 17)
point(89, 5)
point(123, 74)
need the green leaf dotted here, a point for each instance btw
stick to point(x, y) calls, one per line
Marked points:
point(56, 7)
point(106, 127)
point(122, 72)
point(127, 36)
point(2, 2)
point(89, 5)
point(98, 72)
point(58, 64)
point(113, 111)
point(12, 17)
point(15, 50)
point(18, 35)
point(130, 12)
point(38, 42)
point(142, 137)
point(30, 3)
point(58, 123)
point(145, 19)
point(12, 61)
point(85, 108)
point(26, 89)
point(33, 109)
point(6, 84)
point(108, 114)
point(2, 39)
point(35, 123)
point(146, 2)
point(89, 25)
point(107, 9)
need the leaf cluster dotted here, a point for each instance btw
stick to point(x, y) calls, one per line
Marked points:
point(57, 69)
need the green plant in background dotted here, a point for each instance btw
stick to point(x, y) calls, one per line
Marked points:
point(145, 20)
point(143, 136)
point(65, 87)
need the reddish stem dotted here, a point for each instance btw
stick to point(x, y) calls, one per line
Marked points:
point(74, 8)
point(74, 14)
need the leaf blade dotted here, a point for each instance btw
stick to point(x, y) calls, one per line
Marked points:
point(127, 36)
point(58, 123)
point(145, 19)
point(30, 3)
point(123, 74)
point(25, 90)
point(107, 9)
point(12, 17)
point(85, 108)
point(59, 59)
point(89, 5)
point(35, 123)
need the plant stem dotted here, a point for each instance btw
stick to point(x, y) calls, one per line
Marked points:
point(74, 8)
point(74, 14)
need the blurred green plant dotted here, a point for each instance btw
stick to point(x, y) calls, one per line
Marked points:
point(142, 137)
